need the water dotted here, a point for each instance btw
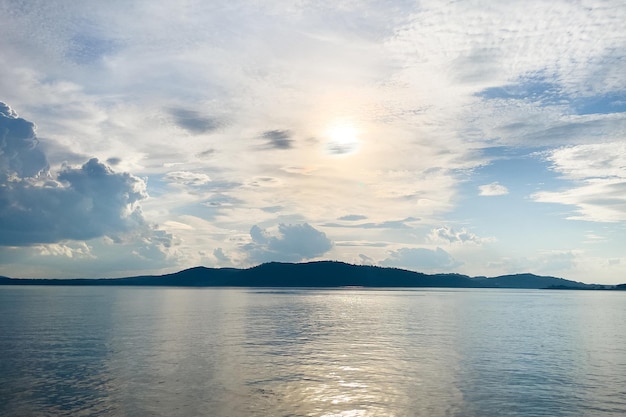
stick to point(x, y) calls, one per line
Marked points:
point(98, 351)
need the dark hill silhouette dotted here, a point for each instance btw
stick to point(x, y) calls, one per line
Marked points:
point(530, 281)
point(317, 274)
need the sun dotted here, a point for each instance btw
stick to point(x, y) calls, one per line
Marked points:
point(342, 139)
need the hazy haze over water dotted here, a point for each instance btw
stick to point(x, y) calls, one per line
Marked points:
point(241, 352)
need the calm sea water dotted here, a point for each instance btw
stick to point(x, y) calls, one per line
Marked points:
point(81, 351)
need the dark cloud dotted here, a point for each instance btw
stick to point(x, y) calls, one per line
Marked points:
point(278, 139)
point(84, 203)
point(292, 243)
point(114, 161)
point(77, 204)
point(19, 154)
point(421, 259)
point(193, 122)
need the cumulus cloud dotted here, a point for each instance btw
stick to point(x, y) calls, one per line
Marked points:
point(82, 203)
point(492, 189)
point(450, 235)
point(219, 254)
point(290, 243)
point(66, 249)
point(77, 204)
point(19, 154)
point(421, 259)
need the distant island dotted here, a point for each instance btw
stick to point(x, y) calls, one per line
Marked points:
point(329, 274)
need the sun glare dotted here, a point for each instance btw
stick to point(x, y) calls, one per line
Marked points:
point(342, 139)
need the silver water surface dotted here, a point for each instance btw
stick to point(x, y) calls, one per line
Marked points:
point(81, 351)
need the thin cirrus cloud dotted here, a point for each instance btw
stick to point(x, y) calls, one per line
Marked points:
point(598, 176)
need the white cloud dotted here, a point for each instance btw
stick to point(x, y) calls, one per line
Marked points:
point(450, 235)
point(598, 175)
point(493, 189)
point(67, 249)
point(590, 161)
point(421, 259)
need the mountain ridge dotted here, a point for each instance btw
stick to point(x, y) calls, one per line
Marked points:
point(318, 274)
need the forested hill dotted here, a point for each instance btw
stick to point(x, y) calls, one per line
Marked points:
point(317, 274)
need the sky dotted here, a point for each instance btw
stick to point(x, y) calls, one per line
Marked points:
point(475, 137)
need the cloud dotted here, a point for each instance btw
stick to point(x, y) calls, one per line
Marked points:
point(352, 217)
point(366, 260)
point(421, 259)
point(449, 235)
point(114, 161)
point(557, 261)
point(193, 121)
point(221, 256)
point(598, 176)
point(290, 243)
point(278, 139)
point(19, 154)
point(599, 160)
point(187, 178)
point(83, 203)
point(595, 200)
point(89, 49)
point(493, 189)
point(389, 224)
point(66, 249)
point(77, 204)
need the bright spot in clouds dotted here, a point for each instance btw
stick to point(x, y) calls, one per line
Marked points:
point(342, 139)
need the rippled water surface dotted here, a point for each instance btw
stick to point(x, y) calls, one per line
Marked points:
point(81, 351)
